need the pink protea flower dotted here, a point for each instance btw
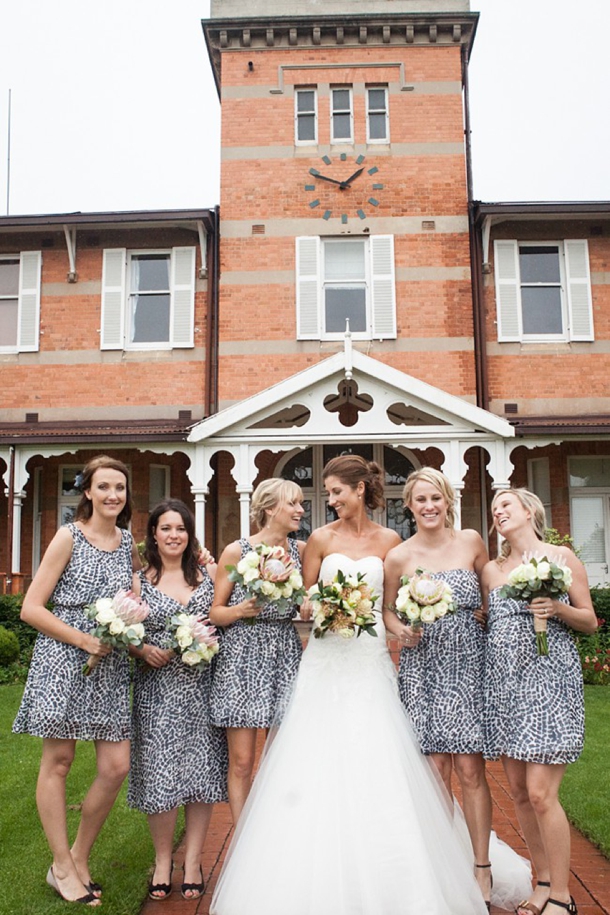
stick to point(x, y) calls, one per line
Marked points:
point(276, 565)
point(130, 607)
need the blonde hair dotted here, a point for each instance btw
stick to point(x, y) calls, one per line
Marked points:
point(440, 482)
point(268, 495)
point(530, 503)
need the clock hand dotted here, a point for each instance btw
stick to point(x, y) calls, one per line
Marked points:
point(344, 184)
point(332, 180)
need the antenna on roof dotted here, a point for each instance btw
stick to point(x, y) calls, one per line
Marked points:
point(8, 155)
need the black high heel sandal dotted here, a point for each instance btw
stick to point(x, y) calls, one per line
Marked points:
point(529, 906)
point(491, 883)
point(88, 899)
point(165, 889)
point(568, 906)
point(196, 889)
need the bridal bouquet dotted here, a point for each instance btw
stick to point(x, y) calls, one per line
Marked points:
point(119, 622)
point(269, 573)
point(423, 599)
point(194, 639)
point(343, 606)
point(538, 576)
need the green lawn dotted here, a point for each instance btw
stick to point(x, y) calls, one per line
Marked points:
point(123, 853)
point(585, 792)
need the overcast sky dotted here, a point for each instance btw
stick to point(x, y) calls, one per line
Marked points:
point(114, 105)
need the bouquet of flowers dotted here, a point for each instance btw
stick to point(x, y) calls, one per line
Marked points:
point(538, 576)
point(269, 574)
point(194, 639)
point(343, 606)
point(119, 622)
point(423, 599)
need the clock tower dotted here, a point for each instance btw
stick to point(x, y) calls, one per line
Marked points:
point(344, 187)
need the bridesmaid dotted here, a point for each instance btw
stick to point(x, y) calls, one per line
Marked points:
point(441, 665)
point(261, 649)
point(86, 560)
point(534, 706)
point(177, 757)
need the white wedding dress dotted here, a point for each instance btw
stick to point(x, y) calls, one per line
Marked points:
point(346, 817)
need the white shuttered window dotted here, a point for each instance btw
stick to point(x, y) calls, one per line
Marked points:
point(543, 291)
point(148, 299)
point(341, 280)
point(20, 302)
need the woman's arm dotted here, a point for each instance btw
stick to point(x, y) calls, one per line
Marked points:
point(34, 610)
point(220, 612)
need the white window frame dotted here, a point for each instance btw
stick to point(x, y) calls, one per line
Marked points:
point(370, 111)
point(66, 501)
point(380, 288)
point(336, 111)
point(115, 323)
point(575, 290)
point(539, 482)
point(302, 114)
point(28, 302)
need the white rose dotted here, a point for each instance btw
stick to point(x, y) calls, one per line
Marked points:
point(116, 627)
point(346, 633)
point(427, 615)
point(544, 571)
point(268, 588)
point(184, 636)
point(136, 631)
point(287, 590)
point(252, 559)
point(250, 575)
point(295, 581)
point(441, 608)
point(105, 614)
point(191, 658)
point(412, 610)
point(365, 606)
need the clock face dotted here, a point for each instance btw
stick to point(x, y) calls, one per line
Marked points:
point(344, 187)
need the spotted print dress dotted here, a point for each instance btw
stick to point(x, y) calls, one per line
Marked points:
point(441, 680)
point(257, 662)
point(59, 701)
point(177, 756)
point(534, 706)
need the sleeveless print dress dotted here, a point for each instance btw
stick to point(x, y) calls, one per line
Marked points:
point(441, 680)
point(257, 662)
point(58, 700)
point(534, 705)
point(177, 756)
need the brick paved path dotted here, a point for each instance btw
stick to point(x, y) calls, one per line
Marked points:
point(590, 883)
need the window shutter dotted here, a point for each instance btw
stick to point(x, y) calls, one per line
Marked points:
point(580, 305)
point(308, 287)
point(508, 292)
point(183, 297)
point(113, 298)
point(383, 286)
point(29, 301)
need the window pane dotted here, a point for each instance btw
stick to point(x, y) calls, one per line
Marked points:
point(300, 468)
point(344, 303)
point(377, 129)
point(589, 471)
point(397, 467)
point(541, 310)
point(150, 319)
point(539, 264)
point(306, 525)
point(589, 534)
point(307, 127)
point(341, 127)
point(341, 100)
point(377, 99)
point(9, 310)
point(305, 101)
point(150, 272)
point(9, 277)
point(332, 451)
point(399, 518)
point(344, 260)
point(69, 485)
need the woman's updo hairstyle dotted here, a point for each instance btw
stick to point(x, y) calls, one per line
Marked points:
point(530, 503)
point(268, 495)
point(440, 482)
point(352, 469)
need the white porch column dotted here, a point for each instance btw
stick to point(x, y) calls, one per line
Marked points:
point(199, 495)
point(457, 508)
point(18, 497)
point(244, 510)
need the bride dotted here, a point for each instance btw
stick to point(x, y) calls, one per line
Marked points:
point(346, 817)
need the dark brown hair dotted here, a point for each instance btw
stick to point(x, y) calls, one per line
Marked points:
point(84, 509)
point(190, 564)
point(352, 469)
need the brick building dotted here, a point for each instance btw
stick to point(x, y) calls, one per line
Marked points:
point(351, 295)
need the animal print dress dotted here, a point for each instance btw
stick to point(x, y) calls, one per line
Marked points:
point(441, 680)
point(59, 701)
point(534, 705)
point(177, 756)
point(257, 662)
